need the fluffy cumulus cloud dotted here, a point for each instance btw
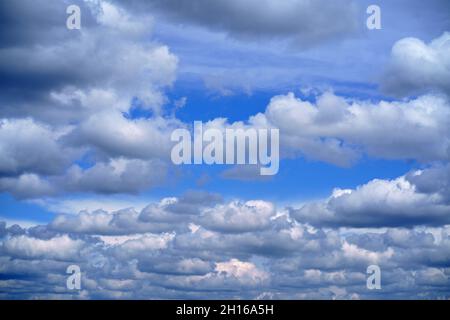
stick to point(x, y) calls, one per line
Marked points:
point(59, 247)
point(159, 253)
point(238, 217)
point(103, 65)
point(340, 130)
point(336, 130)
point(407, 201)
point(64, 120)
point(28, 146)
point(416, 67)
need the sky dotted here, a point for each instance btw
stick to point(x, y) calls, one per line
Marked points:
point(86, 176)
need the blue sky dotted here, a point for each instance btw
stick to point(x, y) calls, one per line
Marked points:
point(364, 171)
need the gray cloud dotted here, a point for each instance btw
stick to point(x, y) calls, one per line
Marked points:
point(306, 22)
point(27, 186)
point(53, 71)
point(434, 180)
point(117, 176)
point(30, 147)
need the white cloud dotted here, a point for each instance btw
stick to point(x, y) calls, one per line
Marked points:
point(245, 272)
point(84, 83)
point(117, 176)
point(59, 248)
point(340, 130)
point(111, 133)
point(239, 217)
point(147, 242)
point(100, 222)
point(337, 130)
point(30, 147)
point(416, 67)
point(397, 202)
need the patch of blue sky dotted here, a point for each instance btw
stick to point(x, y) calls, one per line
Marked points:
point(297, 180)
point(12, 209)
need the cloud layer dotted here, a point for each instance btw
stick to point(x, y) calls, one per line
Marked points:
point(230, 250)
point(87, 112)
point(410, 200)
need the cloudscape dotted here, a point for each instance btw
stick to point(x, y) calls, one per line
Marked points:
point(121, 158)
